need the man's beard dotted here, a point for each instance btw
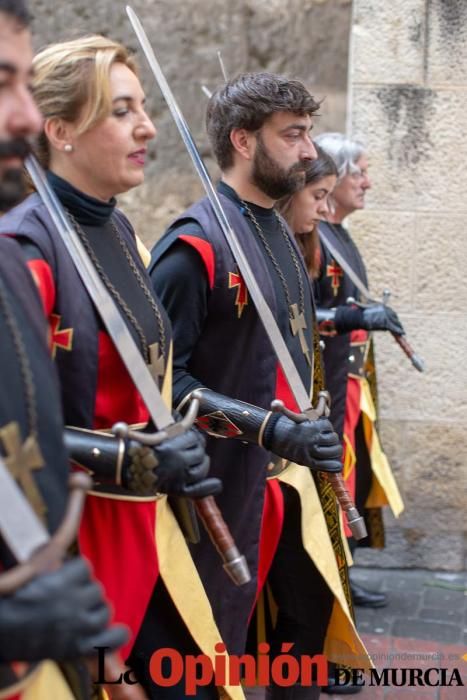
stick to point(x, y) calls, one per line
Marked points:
point(271, 178)
point(12, 180)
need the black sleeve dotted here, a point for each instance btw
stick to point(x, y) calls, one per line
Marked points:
point(180, 281)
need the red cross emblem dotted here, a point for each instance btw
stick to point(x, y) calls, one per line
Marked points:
point(59, 337)
point(241, 299)
point(335, 272)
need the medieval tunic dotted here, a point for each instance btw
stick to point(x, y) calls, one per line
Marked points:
point(220, 344)
point(351, 380)
point(39, 681)
point(130, 540)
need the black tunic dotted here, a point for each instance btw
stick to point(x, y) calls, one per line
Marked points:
point(19, 299)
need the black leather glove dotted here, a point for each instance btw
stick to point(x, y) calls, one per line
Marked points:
point(178, 467)
point(379, 317)
point(311, 443)
point(58, 616)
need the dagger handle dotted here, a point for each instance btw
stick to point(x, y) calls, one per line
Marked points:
point(235, 563)
point(405, 346)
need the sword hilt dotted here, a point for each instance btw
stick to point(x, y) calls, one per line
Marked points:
point(123, 430)
point(405, 346)
point(355, 521)
point(417, 361)
point(51, 555)
point(234, 563)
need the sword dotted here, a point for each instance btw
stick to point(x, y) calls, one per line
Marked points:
point(234, 563)
point(37, 552)
point(264, 312)
point(415, 359)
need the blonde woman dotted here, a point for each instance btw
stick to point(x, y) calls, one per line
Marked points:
point(94, 146)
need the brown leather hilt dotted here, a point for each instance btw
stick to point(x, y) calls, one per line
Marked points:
point(355, 521)
point(234, 563)
point(340, 489)
point(404, 344)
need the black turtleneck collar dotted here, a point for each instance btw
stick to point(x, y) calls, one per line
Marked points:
point(87, 210)
point(259, 212)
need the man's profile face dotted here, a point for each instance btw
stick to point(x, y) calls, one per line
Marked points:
point(350, 192)
point(19, 116)
point(283, 145)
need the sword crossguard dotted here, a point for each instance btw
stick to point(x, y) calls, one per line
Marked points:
point(322, 409)
point(123, 430)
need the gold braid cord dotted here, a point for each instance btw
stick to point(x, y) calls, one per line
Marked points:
point(325, 492)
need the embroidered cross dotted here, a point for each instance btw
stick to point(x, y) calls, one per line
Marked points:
point(156, 362)
point(298, 325)
point(22, 458)
point(59, 337)
point(335, 272)
point(241, 299)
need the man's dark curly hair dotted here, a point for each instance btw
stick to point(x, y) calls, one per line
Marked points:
point(16, 9)
point(246, 102)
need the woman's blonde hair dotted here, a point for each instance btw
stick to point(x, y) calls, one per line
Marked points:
point(71, 81)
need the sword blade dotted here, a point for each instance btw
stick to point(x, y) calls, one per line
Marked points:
point(349, 271)
point(20, 527)
point(103, 302)
point(265, 314)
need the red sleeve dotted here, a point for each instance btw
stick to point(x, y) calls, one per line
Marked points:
point(206, 252)
point(44, 280)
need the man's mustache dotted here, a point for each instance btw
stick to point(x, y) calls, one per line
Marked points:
point(15, 148)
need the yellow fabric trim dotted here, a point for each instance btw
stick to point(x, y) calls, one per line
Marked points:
point(185, 588)
point(345, 542)
point(47, 683)
point(143, 252)
point(116, 497)
point(166, 390)
point(384, 489)
point(342, 643)
point(349, 459)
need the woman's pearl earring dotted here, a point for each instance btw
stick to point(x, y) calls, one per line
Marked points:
point(68, 148)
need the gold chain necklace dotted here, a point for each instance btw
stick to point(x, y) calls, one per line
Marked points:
point(296, 311)
point(22, 458)
point(154, 354)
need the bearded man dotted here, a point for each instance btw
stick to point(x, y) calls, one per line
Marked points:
point(259, 127)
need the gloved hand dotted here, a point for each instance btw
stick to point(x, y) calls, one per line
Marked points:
point(59, 616)
point(178, 467)
point(311, 443)
point(379, 317)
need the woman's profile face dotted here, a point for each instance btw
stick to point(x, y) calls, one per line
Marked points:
point(109, 158)
point(310, 205)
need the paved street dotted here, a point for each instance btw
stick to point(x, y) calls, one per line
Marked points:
point(424, 626)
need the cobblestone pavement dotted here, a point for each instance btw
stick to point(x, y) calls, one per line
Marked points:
point(423, 626)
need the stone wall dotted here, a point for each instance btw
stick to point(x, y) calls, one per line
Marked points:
point(409, 104)
point(307, 39)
